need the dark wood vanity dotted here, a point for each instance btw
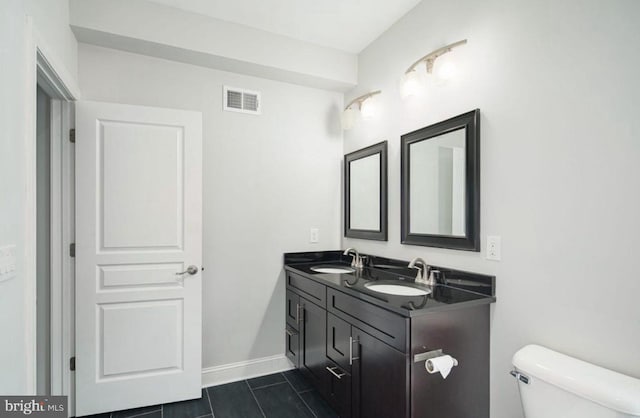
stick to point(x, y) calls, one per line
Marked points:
point(364, 351)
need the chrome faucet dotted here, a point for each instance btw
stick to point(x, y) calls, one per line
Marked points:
point(435, 276)
point(423, 270)
point(356, 262)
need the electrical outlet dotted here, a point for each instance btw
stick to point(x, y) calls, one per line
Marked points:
point(493, 248)
point(7, 262)
point(314, 235)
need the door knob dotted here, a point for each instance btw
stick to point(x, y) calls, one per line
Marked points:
point(191, 270)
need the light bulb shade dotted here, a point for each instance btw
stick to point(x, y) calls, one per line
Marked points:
point(445, 68)
point(369, 108)
point(412, 84)
point(348, 118)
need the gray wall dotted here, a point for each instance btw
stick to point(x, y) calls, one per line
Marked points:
point(267, 180)
point(558, 89)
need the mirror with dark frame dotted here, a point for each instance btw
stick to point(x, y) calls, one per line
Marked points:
point(440, 184)
point(365, 193)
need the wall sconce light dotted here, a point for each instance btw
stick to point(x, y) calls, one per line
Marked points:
point(367, 106)
point(412, 82)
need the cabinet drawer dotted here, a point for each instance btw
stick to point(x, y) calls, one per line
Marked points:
point(293, 310)
point(382, 324)
point(313, 291)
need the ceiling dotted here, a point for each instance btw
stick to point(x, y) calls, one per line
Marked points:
point(347, 25)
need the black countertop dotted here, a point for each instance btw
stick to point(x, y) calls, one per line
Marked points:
point(460, 289)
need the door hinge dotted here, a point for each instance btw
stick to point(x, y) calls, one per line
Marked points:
point(72, 364)
point(72, 250)
point(72, 136)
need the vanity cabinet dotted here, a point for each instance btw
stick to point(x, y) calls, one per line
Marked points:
point(369, 362)
point(359, 374)
point(365, 352)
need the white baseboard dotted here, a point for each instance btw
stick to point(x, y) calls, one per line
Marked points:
point(218, 375)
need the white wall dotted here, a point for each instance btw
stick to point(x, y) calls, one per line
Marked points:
point(267, 180)
point(13, 365)
point(51, 22)
point(557, 85)
point(17, 98)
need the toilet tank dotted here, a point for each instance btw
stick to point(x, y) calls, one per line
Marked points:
point(560, 386)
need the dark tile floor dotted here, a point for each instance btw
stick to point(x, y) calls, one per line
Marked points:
point(279, 395)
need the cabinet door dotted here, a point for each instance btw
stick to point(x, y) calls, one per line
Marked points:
point(380, 379)
point(293, 310)
point(292, 341)
point(339, 341)
point(339, 390)
point(313, 360)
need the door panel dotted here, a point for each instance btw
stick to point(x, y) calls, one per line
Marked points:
point(149, 199)
point(128, 276)
point(124, 327)
point(138, 225)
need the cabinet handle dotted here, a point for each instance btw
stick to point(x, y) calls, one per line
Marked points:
point(351, 358)
point(290, 333)
point(297, 313)
point(332, 371)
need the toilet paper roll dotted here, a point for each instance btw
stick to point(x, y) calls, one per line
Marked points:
point(441, 364)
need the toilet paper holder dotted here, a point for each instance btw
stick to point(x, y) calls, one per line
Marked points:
point(429, 355)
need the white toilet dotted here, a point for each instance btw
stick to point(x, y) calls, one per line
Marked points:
point(554, 385)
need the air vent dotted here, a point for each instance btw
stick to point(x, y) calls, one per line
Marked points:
point(240, 100)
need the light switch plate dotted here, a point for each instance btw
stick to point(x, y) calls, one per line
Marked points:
point(7, 262)
point(314, 235)
point(493, 248)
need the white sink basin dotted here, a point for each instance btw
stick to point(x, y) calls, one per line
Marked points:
point(332, 269)
point(397, 289)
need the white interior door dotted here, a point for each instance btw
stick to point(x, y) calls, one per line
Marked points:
point(139, 225)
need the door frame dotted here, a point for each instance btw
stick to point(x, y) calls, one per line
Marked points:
point(45, 69)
